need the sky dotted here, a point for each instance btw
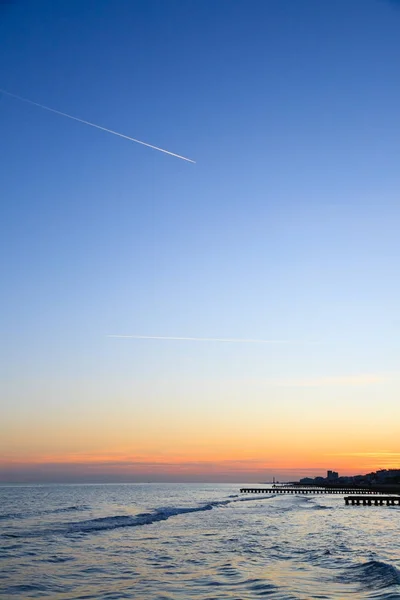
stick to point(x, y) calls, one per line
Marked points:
point(285, 230)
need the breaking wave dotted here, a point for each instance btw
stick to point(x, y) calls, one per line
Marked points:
point(39, 513)
point(373, 575)
point(119, 521)
point(147, 518)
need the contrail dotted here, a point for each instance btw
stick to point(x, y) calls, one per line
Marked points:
point(200, 339)
point(127, 137)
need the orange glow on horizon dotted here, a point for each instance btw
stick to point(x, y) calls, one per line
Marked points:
point(242, 432)
point(117, 462)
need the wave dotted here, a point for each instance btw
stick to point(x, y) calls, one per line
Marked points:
point(252, 499)
point(40, 513)
point(147, 518)
point(69, 509)
point(121, 521)
point(373, 575)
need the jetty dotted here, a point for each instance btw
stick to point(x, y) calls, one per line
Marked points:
point(307, 490)
point(375, 501)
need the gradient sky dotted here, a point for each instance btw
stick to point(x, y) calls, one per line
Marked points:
point(286, 228)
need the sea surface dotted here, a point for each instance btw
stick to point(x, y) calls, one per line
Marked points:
point(193, 541)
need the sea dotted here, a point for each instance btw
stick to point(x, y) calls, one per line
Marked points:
point(193, 541)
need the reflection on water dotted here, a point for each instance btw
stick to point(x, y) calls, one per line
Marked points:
point(193, 541)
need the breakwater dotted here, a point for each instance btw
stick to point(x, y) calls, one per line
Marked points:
point(305, 490)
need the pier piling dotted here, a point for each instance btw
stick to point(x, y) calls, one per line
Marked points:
point(376, 501)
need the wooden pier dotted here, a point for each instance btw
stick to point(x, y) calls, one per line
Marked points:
point(374, 501)
point(306, 490)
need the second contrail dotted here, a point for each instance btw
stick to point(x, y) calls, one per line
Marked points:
point(63, 114)
point(200, 339)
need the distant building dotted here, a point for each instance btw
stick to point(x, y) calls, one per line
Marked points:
point(387, 475)
point(384, 476)
point(307, 480)
point(319, 479)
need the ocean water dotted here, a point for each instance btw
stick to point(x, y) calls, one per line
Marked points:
point(193, 542)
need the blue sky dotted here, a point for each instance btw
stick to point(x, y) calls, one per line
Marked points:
point(285, 228)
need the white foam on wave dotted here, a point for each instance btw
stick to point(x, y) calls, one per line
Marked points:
point(120, 521)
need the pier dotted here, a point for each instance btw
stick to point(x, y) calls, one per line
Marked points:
point(375, 501)
point(306, 490)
